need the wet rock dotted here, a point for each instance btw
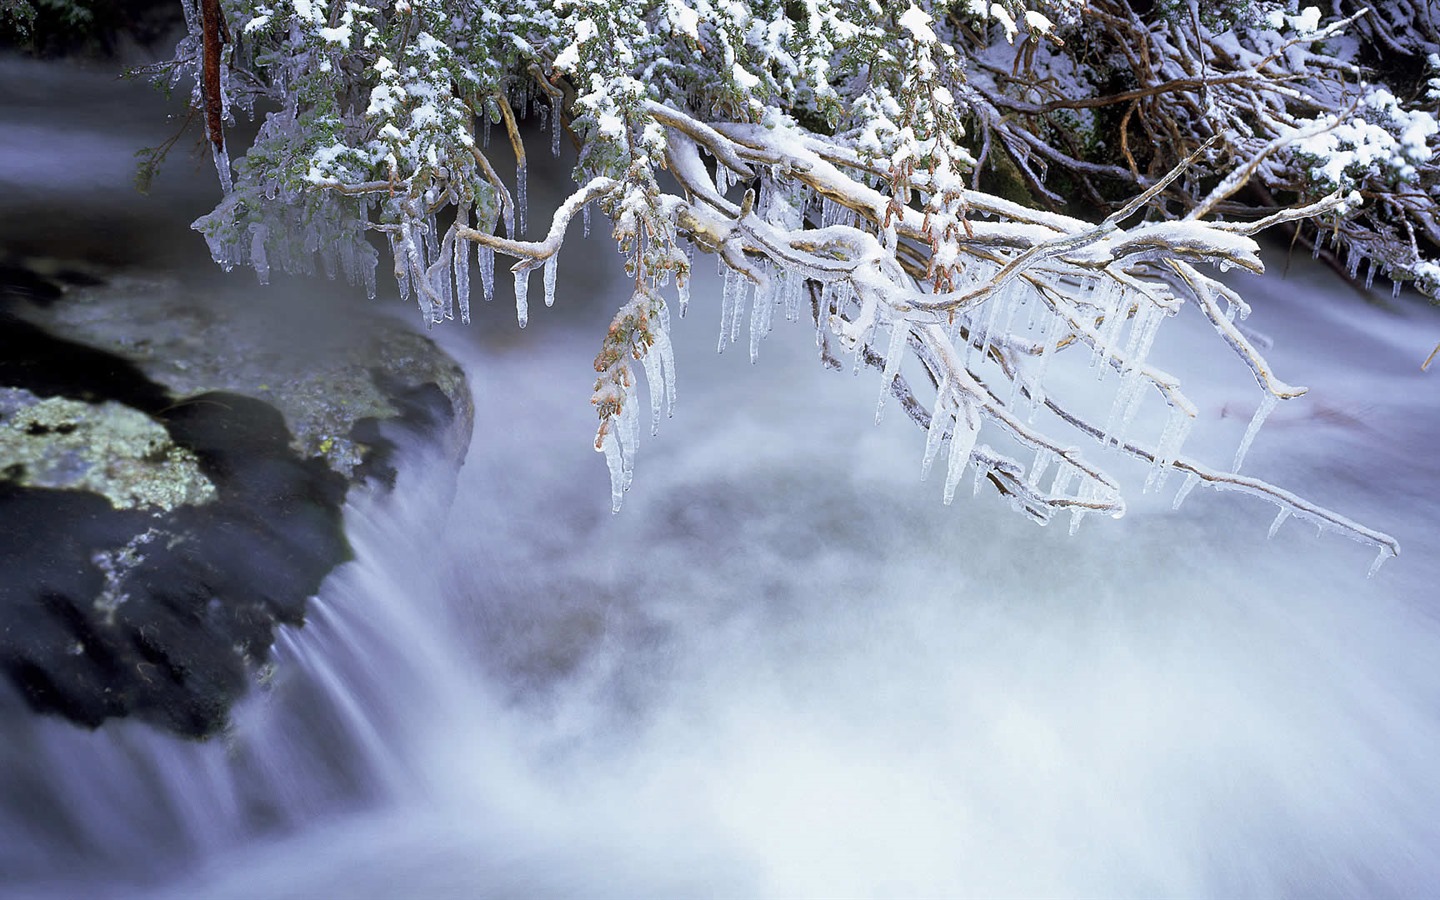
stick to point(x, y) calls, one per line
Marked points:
point(173, 465)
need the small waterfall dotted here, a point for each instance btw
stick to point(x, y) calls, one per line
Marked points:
point(323, 734)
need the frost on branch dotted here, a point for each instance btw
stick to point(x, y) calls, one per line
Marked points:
point(831, 157)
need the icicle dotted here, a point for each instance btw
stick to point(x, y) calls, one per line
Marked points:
point(257, 253)
point(1191, 480)
point(521, 203)
point(442, 282)
point(938, 417)
point(550, 264)
point(655, 381)
point(727, 306)
point(1280, 518)
point(1131, 394)
point(1383, 554)
point(1016, 297)
point(462, 265)
point(1044, 456)
point(585, 219)
point(610, 446)
point(1078, 513)
point(508, 215)
point(486, 259)
point(820, 310)
point(556, 126)
point(1115, 320)
point(666, 350)
point(899, 334)
point(998, 301)
point(722, 178)
point(432, 243)
point(1101, 299)
point(522, 291)
point(1047, 350)
point(1353, 258)
point(1267, 403)
point(742, 287)
point(761, 306)
point(962, 441)
point(1064, 474)
point(402, 266)
point(758, 304)
point(630, 434)
point(1177, 428)
point(348, 264)
point(1148, 318)
point(1016, 378)
point(367, 274)
point(682, 292)
point(1123, 410)
point(221, 156)
point(791, 289)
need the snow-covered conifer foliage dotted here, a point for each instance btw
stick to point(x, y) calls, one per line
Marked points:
point(904, 178)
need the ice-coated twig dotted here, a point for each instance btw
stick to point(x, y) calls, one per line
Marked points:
point(533, 253)
point(1231, 481)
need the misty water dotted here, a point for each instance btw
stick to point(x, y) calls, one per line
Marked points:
point(785, 669)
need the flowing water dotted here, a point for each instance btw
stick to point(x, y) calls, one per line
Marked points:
point(785, 669)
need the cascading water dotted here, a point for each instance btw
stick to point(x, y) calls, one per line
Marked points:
point(785, 669)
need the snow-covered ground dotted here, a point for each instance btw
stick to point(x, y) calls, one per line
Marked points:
point(786, 669)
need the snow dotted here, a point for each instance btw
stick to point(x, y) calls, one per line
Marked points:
point(916, 21)
point(1002, 15)
point(1037, 22)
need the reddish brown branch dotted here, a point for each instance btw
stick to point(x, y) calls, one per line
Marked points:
point(211, 23)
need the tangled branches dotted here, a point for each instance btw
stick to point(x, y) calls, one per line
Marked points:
point(821, 154)
point(1289, 99)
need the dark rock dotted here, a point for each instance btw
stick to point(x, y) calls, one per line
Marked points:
point(21, 283)
point(171, 489)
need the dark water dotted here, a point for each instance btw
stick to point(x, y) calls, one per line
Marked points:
point(785, 669)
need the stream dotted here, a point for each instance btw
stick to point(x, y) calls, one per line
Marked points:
point(785, 668)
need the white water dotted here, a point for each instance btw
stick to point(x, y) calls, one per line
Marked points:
point(785, 669)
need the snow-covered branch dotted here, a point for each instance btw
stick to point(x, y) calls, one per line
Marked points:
point(876, 172)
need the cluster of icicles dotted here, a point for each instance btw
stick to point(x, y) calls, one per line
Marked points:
point(1116, 322)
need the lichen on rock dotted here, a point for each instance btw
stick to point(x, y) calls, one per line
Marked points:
point(108, 448)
